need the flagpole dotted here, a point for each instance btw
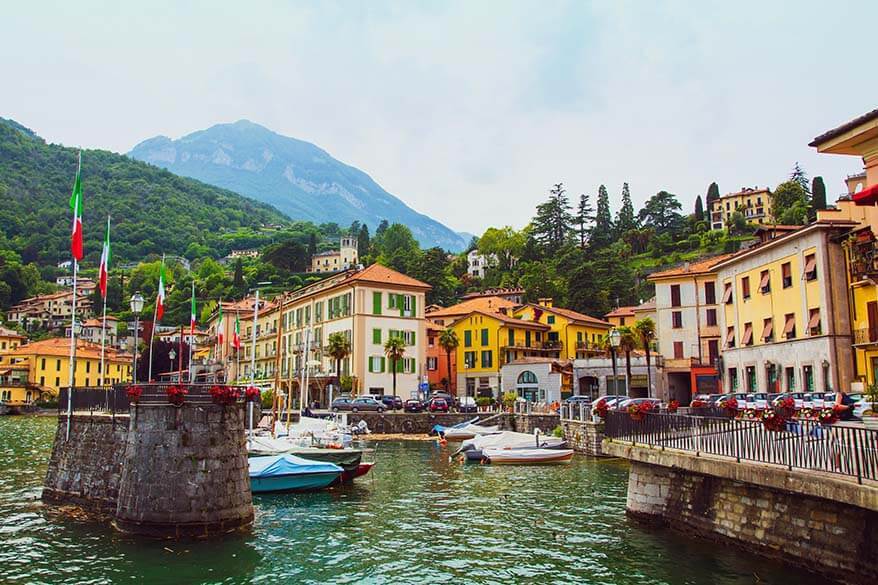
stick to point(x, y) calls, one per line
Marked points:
point(72, 380)
point(76, 249)
point(105, 294)
point(192, 332)
point(155, 313)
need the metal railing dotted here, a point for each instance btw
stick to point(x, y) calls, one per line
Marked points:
point(115, 400)
point(529, 407)
point(844, 449)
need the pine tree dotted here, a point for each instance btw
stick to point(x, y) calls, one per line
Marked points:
point(553, 222)
point(363, 240)
point(625, 220)
point(798, 175)
point(382, 227)
point(818, 195)
point(584, 217)
point(699, 209)
point(602, 232)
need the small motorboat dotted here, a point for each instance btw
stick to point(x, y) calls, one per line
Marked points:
point(526, 456)
point(472, 448)
point(363, 469)
point(288, 473)
point(468, 432)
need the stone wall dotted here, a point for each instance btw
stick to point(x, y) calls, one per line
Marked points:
point(828, 535)
point(86, 470)
point(423, 422)
point(584, 436)
point(527, 423)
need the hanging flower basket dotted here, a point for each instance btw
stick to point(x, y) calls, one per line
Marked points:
point(730, 407)
point(252, 394)
point(697, 403)
point(827, 416)
point(637, 412)
point(773, 421)
point(134, 394)
point(176, 395)
point(673, 405)
point(224, 395)
point(787, 407)
point(601, 409)
point(807, 414)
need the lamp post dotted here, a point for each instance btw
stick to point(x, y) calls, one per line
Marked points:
point(615, 339)
point(172, 355)
point(136, 308)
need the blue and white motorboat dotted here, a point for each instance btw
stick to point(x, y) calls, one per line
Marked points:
point(288, 473)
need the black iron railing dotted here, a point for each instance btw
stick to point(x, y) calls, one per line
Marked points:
point(844, 449)
point(115, 399)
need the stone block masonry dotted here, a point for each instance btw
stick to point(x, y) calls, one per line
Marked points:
point(584, 436)
point(422, 422)
point(828, 535)
point(163, 472)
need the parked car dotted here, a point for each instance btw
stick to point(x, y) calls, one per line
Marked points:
point(438, 404)
point(813, 400)
point(740, 397)
point(451, 400)
point(413, 405)
point(467, 404)
point(577, 399)
point(623, 404)
point(391, 402)
point(366, 403)
point(610, 400)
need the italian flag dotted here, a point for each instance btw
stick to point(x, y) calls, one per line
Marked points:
point(220, 325)
point(160, 297)
point(105, 262)
point(236, 338)
point(76, 207)
point(192, 314)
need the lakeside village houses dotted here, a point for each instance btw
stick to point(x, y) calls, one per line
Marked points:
point(797, 309)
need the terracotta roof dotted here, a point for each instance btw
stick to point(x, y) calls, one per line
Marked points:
point(384, 275)
point(573, 315)
point(433, 325)
point(97, 322)
point(493, 292)
point(868, 117)
point(646, 306)
point(60, 346)
point(484, 304)
point(621, 312)
point(506, 319)
point(4, 332)
point(691, 268)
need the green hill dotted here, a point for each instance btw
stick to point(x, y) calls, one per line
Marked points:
point(154, 211)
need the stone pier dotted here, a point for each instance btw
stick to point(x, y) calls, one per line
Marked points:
point(584, 436)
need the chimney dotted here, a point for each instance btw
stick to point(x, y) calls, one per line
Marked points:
point(686, 266)
point(545, 302)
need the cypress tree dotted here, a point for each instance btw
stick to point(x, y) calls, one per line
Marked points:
point(699, 208)
point(363, 240)
point(818, 194)
point(625, 220)
point(602, 232)
point(312, 244)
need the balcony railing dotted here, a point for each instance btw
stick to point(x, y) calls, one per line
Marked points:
point(865, 336)
point(548, 346)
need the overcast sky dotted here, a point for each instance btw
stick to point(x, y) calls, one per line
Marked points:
point(467, 111)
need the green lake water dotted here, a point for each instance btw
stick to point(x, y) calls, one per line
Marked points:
point(416, 519)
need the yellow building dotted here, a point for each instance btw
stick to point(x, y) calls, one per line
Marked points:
point(621, 316)
point(344, 258)
point(859, 137)
point(9, 340)
point(48, 362)
point(784, 319)
point(572, 334)
point(754, 204)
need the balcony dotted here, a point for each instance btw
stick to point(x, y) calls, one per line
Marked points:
point(865, 336)
point(547, 347)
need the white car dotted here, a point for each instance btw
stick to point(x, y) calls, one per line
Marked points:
point(757, 401)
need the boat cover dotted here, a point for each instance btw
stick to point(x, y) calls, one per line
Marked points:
point(279, 465)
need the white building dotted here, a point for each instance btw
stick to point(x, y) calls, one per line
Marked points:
point(537, 379)
point(345, 258)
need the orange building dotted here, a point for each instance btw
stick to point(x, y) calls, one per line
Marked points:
point(437, 360)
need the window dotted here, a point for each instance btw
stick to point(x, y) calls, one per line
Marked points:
point(87, 368)
point(789, 328)
point(376, 336)
point(678, 350)
point(467, 338)
point(318, 311)
point(376, 303)
point(675, 295)
point(527, 377)
point(484, 337)
point(487, 359)
point(469, 359)
point(712, 350)
point(745, 287)
point(810, 267)
point(765, 282)
point(376, 364)
point(677, 319)
point(786, 274)
point(511, 340)
point(814, 322)
point(43, 364)
point(710, 293)
point(408, 337)
point(432, 363)
point(727, 293)
point(57, 366)
point(872, 314)
point(767, 330)
point(730, 337)
point(751, 378)
point(550, 319)
point(711, 317)
point(733, 379)
point(791, 379)
point(747, 338)
point(527, 338)
point(808, 378)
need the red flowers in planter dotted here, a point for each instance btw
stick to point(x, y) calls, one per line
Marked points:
point(773, 421)
point(601, 408)
point(698, 403)
point(787, 406)
point(252, 394)
point(827, 416)
point(730, 406)
point(176, 395)
point(638, 411)
point(224, 395)
point(673, 405)
point(134, 393)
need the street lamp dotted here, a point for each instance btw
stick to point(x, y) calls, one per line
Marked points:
point(136, 308)
point(615, 340)
point(172, 356)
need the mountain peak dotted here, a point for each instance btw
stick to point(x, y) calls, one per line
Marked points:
point(297, 177)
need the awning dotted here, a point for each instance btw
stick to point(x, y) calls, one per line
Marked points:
point(767, 329)
point(789, 325)
point(748, 334)
point(815, 320)
point(730, 338)
point(811, 265)
point(868, 196)
point(727, 295)
point(764, 282)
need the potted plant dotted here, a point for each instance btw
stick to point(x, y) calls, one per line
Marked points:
point(176, 395)
point(787, 407)
point(252, 394)
point(827, 416)
point(509, 399)
point(870, 415)
point(224, 395)
point(772, 420)
point(673, 405)
point(730, 407)
point(599, 412)
point(134, 394)
point(637, 412)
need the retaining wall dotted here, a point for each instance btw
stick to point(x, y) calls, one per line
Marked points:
point(411, 423)
point(584, 436)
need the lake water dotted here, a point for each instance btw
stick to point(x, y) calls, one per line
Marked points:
point(416, 519)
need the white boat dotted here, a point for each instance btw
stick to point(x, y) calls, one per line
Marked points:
point(468, 432)
point(472, 448)
point(527, 456)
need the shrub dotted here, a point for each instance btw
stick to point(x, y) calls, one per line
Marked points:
point(484, 401)
point(558, 432)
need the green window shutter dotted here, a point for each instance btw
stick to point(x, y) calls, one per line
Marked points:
point(376, 303)
point(400, 366)
point(512, 337)
point(467, 338)
point(382, 364)
point(376, 336)
point(414, 306)
point(484, 337)
point(414, 339)
point(370, 366)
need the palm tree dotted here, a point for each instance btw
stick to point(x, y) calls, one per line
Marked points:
point(449, 342)
point(394, 349)
point(627, 343)
point(339, 348)
point(645, 331)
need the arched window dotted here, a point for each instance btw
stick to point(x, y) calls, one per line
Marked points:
point(527, 377)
